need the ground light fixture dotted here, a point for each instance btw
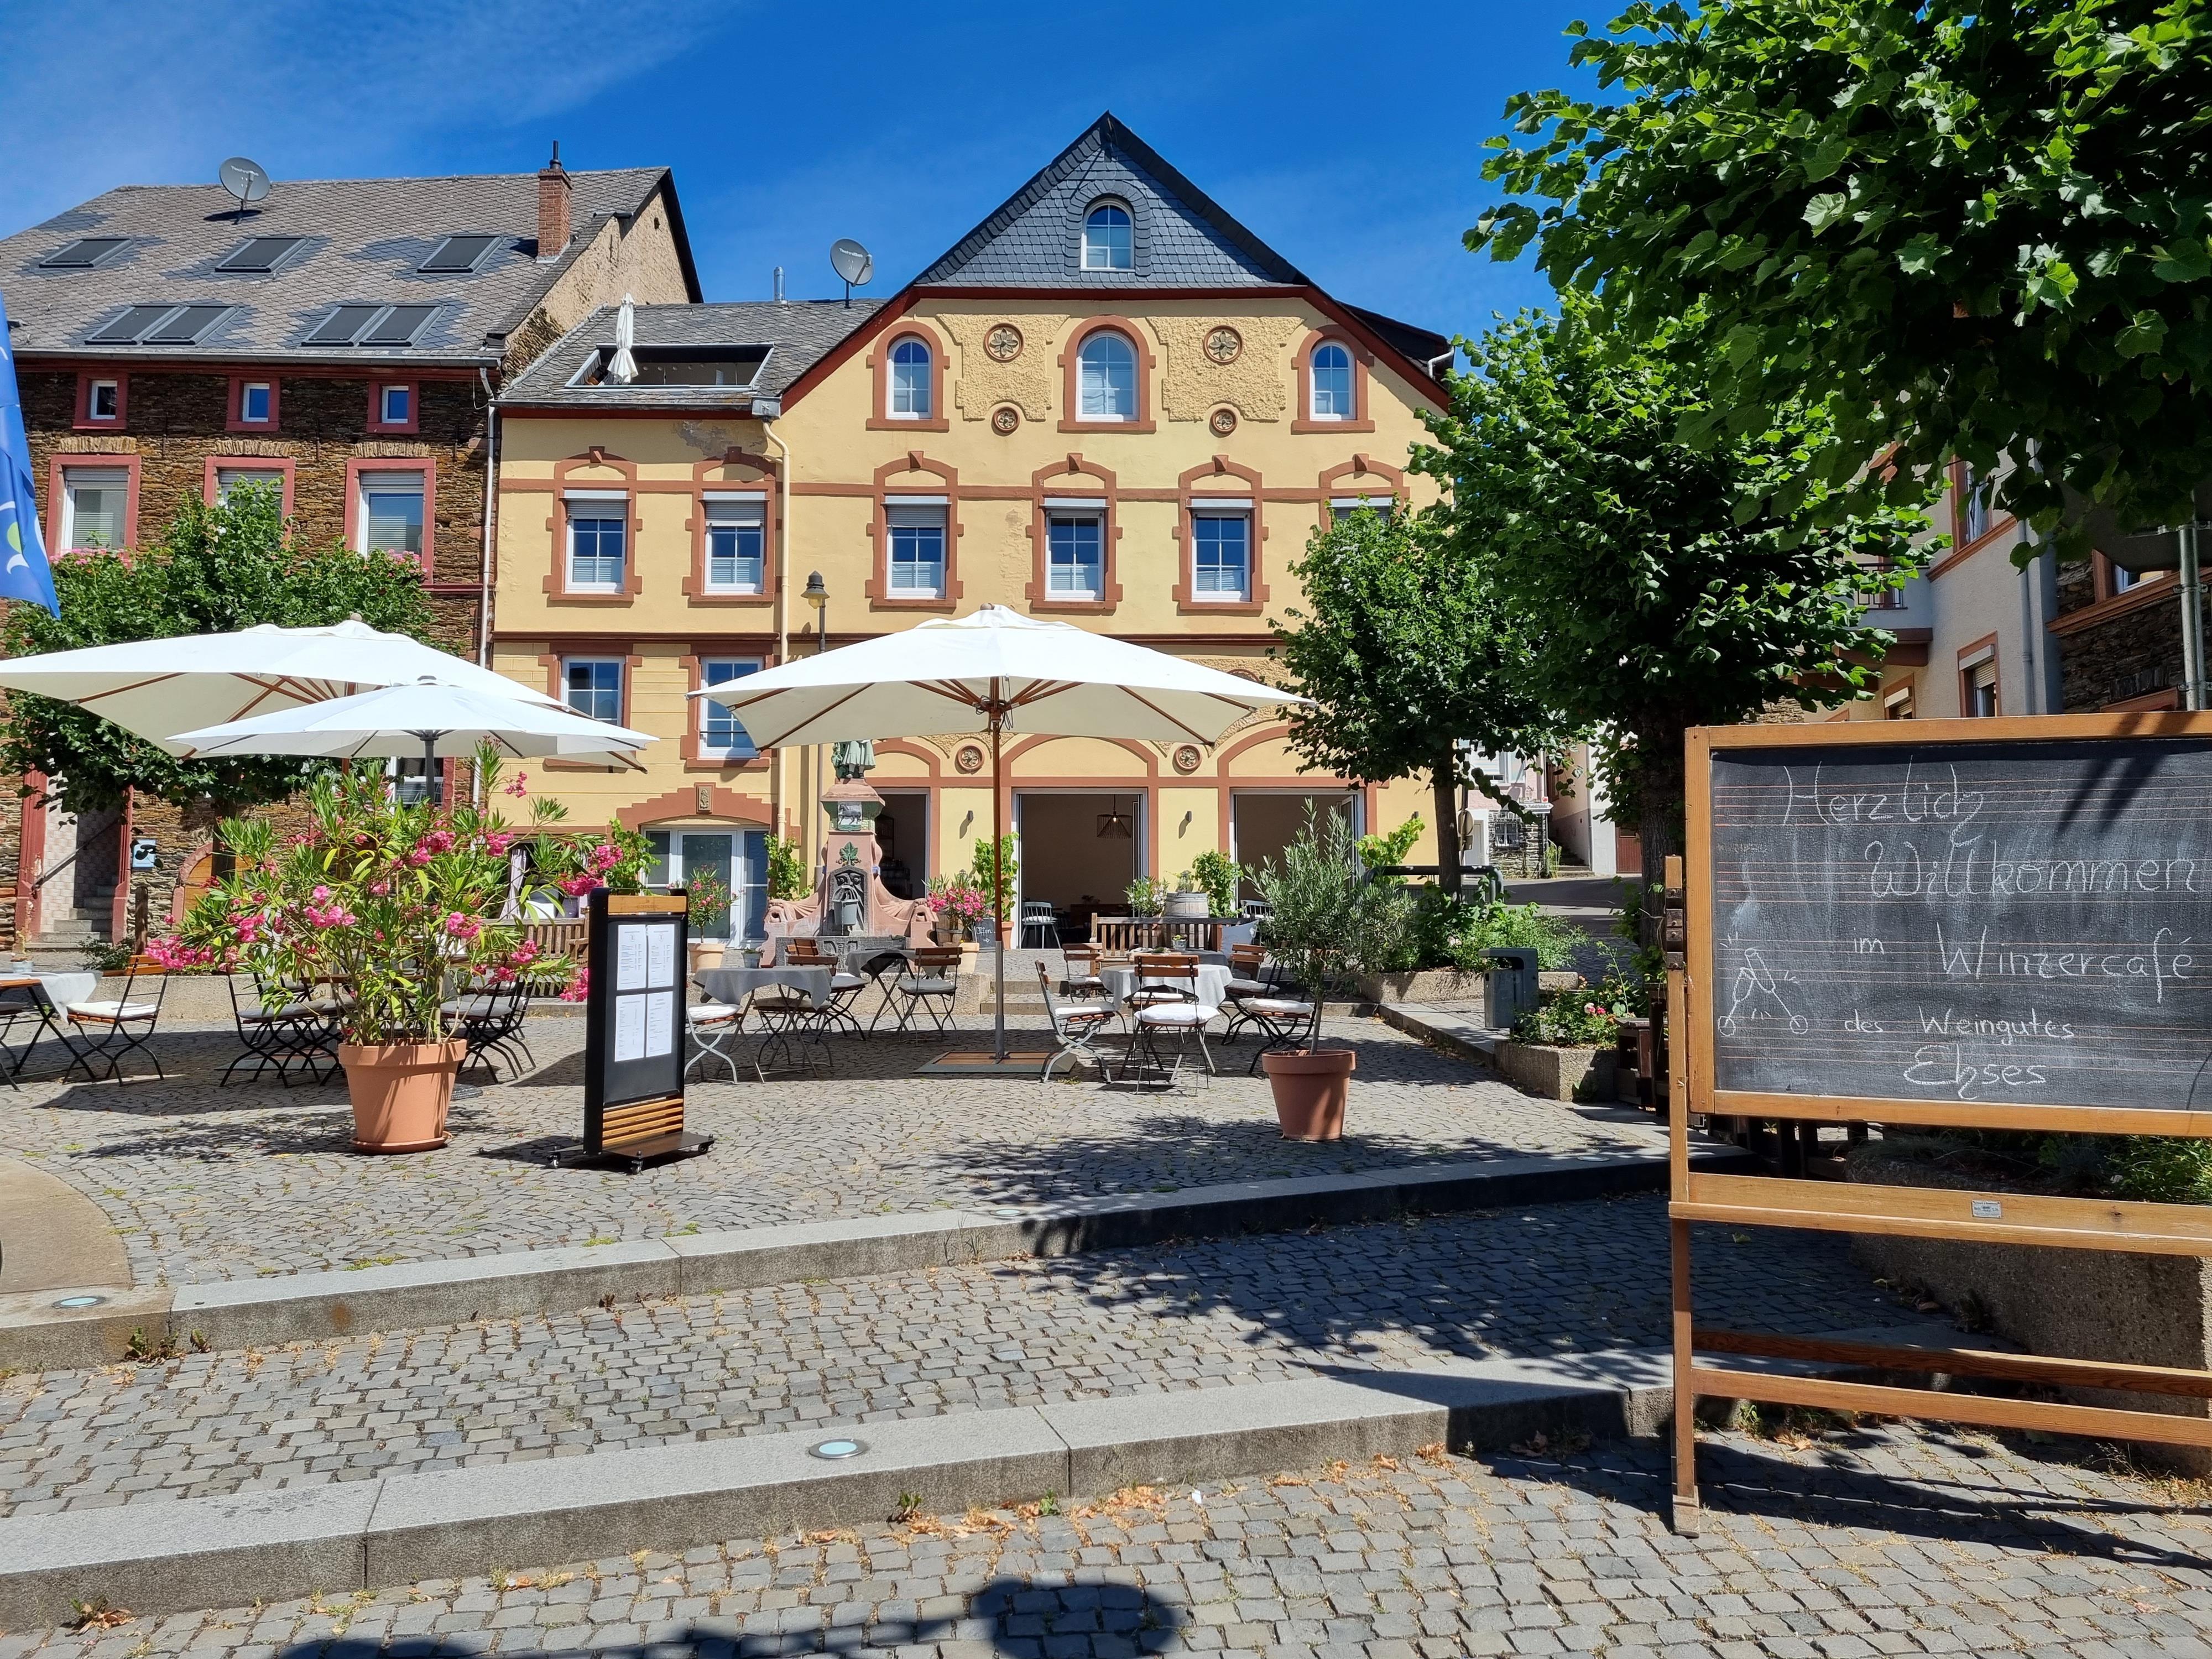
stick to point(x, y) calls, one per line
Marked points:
point(836, 1451)
point(82, 1302)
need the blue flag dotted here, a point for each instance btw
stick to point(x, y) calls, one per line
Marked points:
point(24, 572)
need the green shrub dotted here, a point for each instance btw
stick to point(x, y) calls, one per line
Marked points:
point(2162, 1169)
point(1219, 875)
point(1588, 1017)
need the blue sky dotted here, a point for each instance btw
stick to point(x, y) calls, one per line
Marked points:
point(1348, 136)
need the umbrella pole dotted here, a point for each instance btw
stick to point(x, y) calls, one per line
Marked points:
point(998, 876)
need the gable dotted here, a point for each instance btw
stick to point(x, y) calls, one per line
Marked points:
point(1181, 238)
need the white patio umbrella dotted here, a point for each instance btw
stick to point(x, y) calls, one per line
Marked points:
point(430, 718)
point(622, 368)
point(156, 689)
point(994, 672)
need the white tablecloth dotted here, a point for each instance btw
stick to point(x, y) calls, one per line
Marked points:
point(61, 989)
point(1212, 983)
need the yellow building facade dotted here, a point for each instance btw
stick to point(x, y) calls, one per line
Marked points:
point(1109, 404)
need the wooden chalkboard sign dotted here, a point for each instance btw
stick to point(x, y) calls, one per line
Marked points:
point(2001, 924)
point(634, 1033)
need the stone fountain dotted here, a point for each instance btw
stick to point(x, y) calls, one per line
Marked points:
point(850, 912)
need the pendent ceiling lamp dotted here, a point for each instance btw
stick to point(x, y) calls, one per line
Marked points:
point(1114, 825)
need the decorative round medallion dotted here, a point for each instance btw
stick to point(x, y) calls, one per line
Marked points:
point(1004, 420)
point(1224, 344)
point(1223, 421)
point(1186, 757)
point(1003, 343)
point(968, 757)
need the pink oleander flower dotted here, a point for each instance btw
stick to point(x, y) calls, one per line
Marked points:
point(581, 989)
point(602, 859)
point(577, 886)
point(319, 894)
point(436, 841)
point(517, 788)
point(463, 927)
point(525, 953)
point(381, 889)
point(497, 842)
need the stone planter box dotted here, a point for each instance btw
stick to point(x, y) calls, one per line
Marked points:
point(1558, 1073)
point(2071, 1304)
point(1429, 984)
point(1558, 979)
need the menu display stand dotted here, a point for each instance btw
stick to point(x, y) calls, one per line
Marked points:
point(634, 1032)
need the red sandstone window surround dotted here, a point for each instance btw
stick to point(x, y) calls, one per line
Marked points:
point(395, 406)
point(103, 402)
point(253, 403)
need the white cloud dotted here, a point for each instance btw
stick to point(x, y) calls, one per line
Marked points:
point(102, 93)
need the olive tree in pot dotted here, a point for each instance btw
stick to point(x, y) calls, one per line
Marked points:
point(397, 909)
point(1317, 912)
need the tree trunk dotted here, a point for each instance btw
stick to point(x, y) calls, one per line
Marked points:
point(1443, 787)
point(1660, 774)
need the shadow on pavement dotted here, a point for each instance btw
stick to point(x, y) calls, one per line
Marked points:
point(1099, 1621)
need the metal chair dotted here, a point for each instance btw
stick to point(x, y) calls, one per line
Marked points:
point(1284, 1022)
point(1082, 978)
point(1039, 917)
point(117, 1027)
point(1077, 1030)
point(290, 1034)
point(930, 989)
point(1166, 1001)
point(1250, 974)
point(491, 1018)
point(790, 1021)
point(844, 988)
point(708, 1025)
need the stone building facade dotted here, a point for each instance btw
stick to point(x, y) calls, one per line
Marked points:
point(341, 341)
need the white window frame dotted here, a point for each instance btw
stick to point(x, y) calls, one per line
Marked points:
point(745, 749)
point(595, 505)
point(1384, 507)
point(915, 512)
point(404, 390)
point(379, 482)
point(238, 475)
point(1092, 513)
point(92, 400)
point(1975, 515)
point(93, 477)
point(1086, 407)
point(742, 510)
point(899, 386)
point(1350, 411)
point(1202, 512)
point(568, 691)
point(246, 390)
point(1105, 249)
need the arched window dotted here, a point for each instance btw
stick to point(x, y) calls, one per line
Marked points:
point(909, 387)
point(1333, 391)
point(1106, 240)
point(1106, 378)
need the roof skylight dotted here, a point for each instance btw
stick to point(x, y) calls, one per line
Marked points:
point(382, 326)
point(83, 254)
point(161, 324)
point(258, 253)
point(457, 255)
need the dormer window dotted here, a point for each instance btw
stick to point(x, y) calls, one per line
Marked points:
point(1333, 393)
point(909, 383)
point(1108, 244)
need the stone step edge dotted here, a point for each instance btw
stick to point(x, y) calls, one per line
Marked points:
point(231, 1313)
point(156, 1557)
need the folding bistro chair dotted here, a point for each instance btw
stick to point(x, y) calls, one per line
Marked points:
point(1082, 978)
point(1078, 1028)
point(1166, 1001)
point(844, 988)
point(709, 1025)
point(1250, 974)
point(929, 988)
point(790, 1021)
point(113, 1029)
point(288, 1034)
point(490, 1019)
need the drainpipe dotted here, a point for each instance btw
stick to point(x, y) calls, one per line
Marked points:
point(782, 597)
point(485, 564)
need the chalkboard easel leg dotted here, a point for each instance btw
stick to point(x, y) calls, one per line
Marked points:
point(1686, 1513)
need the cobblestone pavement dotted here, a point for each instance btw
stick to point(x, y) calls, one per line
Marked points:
point(1560, 1279)
point(210, 1183)
point(1870, 1541)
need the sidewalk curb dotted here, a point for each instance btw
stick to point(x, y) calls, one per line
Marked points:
point(311, 1307)
point(157, 1557)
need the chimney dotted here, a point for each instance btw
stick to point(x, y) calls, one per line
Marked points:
point(553, 207)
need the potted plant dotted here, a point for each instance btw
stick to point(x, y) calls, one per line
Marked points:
point(1144, 896)
point(397, 909)
point(960, 907)
point(1220, 876)
point(1317, 904)
point(708, 919)
point(993, 876)
point(1187, 901)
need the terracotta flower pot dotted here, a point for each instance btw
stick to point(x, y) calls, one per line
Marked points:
point(400, 1092)
point(708, 953)
point(1310, 1085)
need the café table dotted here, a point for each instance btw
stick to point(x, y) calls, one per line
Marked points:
point(734, 987)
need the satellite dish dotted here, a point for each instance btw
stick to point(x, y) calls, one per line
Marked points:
point(247, 180)
point(852, 262)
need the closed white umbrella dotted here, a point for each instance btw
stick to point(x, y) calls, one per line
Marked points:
point(991, 674)
point(156, 689)
point(622, 368)
point(430, 718)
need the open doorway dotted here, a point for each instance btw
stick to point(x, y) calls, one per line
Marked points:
point(1077, 853)
point(737, 859)
point(903, 833)
point(1263, 821)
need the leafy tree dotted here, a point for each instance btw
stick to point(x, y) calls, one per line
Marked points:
point(1659, 586)
point(1980, 225)
point(1405, 649)
point(216, 569)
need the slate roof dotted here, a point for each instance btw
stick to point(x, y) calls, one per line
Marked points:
point(1182, 237)
point(797, 331)
point(363, 239)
